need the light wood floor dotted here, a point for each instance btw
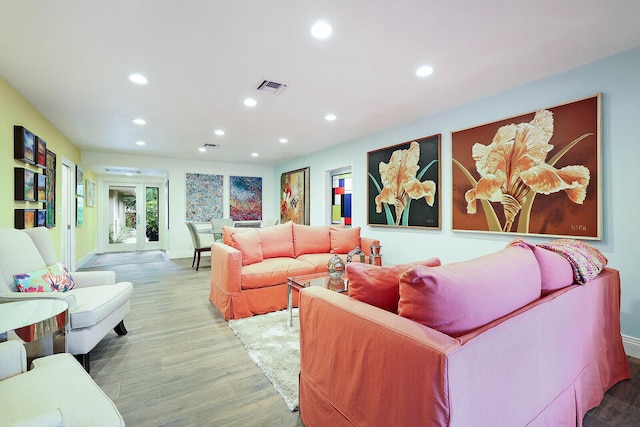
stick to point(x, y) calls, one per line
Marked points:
point(180, 364)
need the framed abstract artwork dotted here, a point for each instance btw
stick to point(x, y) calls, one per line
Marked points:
point(41, 152)
point(24, 184)
point(204, 197)
point(533, 174)
point(245, 198)
point(41, 187)
point(51, 189)
point(79, 211)
point(79, 181)
point(404, 184)
point(91, 192)
point(24, 145)
point(25, 218)
point(41, 217)
point(294, 196)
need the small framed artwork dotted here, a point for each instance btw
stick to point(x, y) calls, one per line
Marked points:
point(41, 218)
point(79, 181)
point(25, 218)
point(41, 153)
point(404, 184)
point(294, 196)
point(91, 193)
point(79, 211)
point(24, 184)
point(51, 189)
point(24, 145)
point(539, 173)
point(41, 187)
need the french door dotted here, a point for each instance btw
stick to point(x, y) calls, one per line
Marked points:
point(132, 221)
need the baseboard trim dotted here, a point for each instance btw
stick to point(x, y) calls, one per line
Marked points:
point(631, 346)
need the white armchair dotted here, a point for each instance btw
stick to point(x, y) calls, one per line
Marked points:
point(55, 392)
point(97, 304)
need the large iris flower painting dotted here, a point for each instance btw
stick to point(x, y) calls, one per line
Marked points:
point(245, 198)
point(533, 174)
point(403, 182)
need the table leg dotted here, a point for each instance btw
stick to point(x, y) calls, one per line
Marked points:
point(289, 304)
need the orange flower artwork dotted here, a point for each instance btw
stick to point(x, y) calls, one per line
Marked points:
point(513, 169)
point(402, 177)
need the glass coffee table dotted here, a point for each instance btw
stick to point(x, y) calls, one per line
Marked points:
point(316, 279)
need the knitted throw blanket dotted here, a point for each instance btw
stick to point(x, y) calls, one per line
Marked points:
point(587, 262)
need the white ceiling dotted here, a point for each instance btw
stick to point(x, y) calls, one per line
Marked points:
point(71, 59)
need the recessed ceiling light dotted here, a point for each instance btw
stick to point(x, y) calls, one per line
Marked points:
point(141, 143)
point(140, 121)
point(202, 150)
point(219, 132)
point(330, 117)
point(424, 71)
point(321, 30)
point(254, 154)
point(284, 140)
point(250, 102)
point(138, 79)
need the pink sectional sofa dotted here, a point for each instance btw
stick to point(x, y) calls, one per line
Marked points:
point(503, 340)
point(249, 269)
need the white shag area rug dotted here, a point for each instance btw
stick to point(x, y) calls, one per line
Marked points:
point(275, 347)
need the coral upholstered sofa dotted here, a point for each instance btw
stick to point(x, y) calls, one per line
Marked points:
point(502, 340)
point(249, 269)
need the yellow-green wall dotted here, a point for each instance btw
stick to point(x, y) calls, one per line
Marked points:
point(16, 110)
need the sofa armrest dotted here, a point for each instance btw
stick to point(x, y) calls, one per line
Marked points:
point(226, 268)
point(93, 278)
point(67, 297)
point(365, 244)
point(374, 365)
point(39, 417)
point(13, 359)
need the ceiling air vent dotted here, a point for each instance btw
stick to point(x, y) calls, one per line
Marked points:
point(272, 87)
point(212, 145)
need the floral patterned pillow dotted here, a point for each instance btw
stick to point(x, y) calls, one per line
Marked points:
point(54, 278)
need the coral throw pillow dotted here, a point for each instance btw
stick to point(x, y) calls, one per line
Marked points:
point(460, 297)
point(248, 242)
point(277, 241)
point(227, 230)
point(344, 240)
point(380, 285)
point(54, 278)
point(311, 239)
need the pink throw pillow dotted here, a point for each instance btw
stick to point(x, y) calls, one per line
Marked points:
point(460, 297)
point(248, 242)
point(311, 239)
point(277, 241)
point(555, 270)
point(380, 285)
point(344, 240)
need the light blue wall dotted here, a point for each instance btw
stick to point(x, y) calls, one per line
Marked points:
point(617, 78)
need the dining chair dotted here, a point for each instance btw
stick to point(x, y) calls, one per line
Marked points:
point(216, 225)
point(199, 245)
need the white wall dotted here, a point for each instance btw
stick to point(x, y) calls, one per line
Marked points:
point(178, 241)
point(618, 78)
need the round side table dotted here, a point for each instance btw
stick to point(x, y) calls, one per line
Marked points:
point(40, 323)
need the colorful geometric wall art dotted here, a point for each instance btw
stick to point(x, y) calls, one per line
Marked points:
point(341, 187)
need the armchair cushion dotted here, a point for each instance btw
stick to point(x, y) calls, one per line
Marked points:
point(54, 278)
point(96, 303)
point(54, 378)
